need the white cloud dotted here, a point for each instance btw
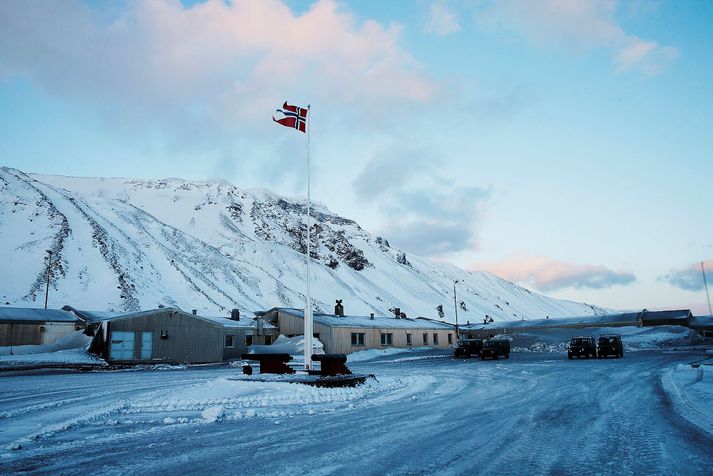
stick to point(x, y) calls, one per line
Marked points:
point(577, 25)
point(442, 21)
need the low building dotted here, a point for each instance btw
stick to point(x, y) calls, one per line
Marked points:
point(171, 335)
point(642, 318)
point(346, 334)
point(25, 326)
point(703, 325)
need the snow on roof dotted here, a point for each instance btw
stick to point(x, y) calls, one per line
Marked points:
point(242, 323)
point(556, 321)
point(588, 320)
point(102, 316)
point(702, 321)
point(36, 315)
point(379, 322)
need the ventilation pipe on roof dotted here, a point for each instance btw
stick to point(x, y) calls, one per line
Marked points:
point(235, 314)
point(371, 316)
point(195, 312)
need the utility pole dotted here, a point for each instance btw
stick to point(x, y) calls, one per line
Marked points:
point(705, 285)
point(455, 305)
point(49, 269)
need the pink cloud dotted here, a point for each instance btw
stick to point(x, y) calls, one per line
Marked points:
point(215, 57)
point(549, 275)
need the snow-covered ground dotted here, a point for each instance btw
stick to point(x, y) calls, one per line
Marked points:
point(536, 413)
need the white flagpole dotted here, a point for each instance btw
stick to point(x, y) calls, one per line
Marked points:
point(308, 332)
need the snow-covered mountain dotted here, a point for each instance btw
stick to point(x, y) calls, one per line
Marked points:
point(126, 244)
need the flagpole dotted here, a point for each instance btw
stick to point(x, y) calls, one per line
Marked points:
point(308, 332)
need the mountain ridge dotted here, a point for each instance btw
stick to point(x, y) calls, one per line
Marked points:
point(127, 244)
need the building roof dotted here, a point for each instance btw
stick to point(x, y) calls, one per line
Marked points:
point(21, 314)
point(555, 322)
point(378, 322)
point(678, 314)
point(243, 323)
point(95, 317)
point(701, 321)
point(626, 317)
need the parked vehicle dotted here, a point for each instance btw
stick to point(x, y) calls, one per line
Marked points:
point(610, 344)
point(493, 348)
point(582, 346)
point(468, 348)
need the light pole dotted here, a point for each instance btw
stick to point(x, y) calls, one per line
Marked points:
point(455, 306)
point(705, 285)
point(49, 269)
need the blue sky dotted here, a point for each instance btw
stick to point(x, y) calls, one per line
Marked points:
point(563, 145)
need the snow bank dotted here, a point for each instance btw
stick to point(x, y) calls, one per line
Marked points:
point(370, 354)
point(75, 340)
point(288, 345)
point(691, 392)
point(69, 357)
point(264, 396)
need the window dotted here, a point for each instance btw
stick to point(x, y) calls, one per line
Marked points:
point(450, 338)
point(408, 339)
point(316, 335)
point(425, 338)
point(387, 339)
point(435, 339)
point(229, 340)
point(357, 339)
point(248, 340)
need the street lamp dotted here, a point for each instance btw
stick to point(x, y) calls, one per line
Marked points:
point(455, 305)
point(705, 285)
point(49, 269)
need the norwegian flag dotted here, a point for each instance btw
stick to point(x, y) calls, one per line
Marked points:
point(292, 116)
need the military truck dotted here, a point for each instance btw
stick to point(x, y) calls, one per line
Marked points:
point(468, 348)
point(582, 346)
point(610, 344)
point(493, 348)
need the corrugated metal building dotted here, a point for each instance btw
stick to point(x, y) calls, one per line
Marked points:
point(347, 334)
point(25, 326)
point(171, 335)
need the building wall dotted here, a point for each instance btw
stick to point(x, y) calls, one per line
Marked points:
point(338, 340)
point(190, 340)
point(32, 333)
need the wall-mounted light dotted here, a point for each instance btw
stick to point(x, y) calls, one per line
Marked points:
point(164, 334)
point(42, 328)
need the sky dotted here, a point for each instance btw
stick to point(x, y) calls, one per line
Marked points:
point(563, 145)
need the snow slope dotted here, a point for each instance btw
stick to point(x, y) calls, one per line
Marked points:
point(121, 244)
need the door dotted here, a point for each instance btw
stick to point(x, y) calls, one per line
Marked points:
point(146, 345)
point(122, 345)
